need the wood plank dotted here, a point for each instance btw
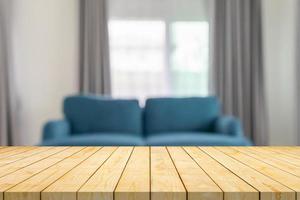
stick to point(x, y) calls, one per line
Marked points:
point(277, 154)
point(197, 183)
point(5, 149)
point(234, 188)
point(103, 183)
point(31, 188)
point(286, 151)
point(21, 155)
point(283, 177)
point(272, 159)
point(67, 186)
point(44, 153)
point(295, 150)
point(51, 156)
point(165, 181)
point(135, 181)
point(268, 188)
point(11, 151)
point(288, 154)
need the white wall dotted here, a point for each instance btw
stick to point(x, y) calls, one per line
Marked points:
point(44, 60)
point(280, 72)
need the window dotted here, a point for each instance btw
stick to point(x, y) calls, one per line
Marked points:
point(137, 58)
point(189, 58)
point(155, 56)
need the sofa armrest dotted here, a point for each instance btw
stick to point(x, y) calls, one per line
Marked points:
point(229, 125)
point(56, 129)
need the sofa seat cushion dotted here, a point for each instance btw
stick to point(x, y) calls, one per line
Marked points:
point(97, 139)
point(195, 139)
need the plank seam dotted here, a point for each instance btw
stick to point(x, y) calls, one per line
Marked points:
point(259, 193)
point(277, 159)
point(94, 171)
point(285, 153)
point(16, 153)
point(261, 160)
point(35, 161)
point(27, 156)
point(71, 168)
point(40, 193)
point(295, 151)
point(204, 171)
point(122, 172)
point(32, 175)
point(40, 171)
point(186, 191)
point(257, 170)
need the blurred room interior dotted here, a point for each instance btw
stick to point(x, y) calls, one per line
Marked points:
point(183, 55)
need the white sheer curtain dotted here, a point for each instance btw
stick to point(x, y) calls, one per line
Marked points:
point(159, 48)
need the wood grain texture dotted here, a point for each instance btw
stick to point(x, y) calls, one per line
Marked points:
point(33, 166)
point(197, 183)
point(294, 151)
point(286, 154)
point(283, 177)
point(42, 154)
point(9, 151)
point(273, 159)
point(26, 152)
point(31, 188)
point(135, 181)
point(103, 183)
point(165, 181)
point(149, 173)
point(268, 188)
point(67, 186)
point(234, 188)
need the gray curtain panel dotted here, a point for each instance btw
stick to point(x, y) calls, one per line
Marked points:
point(6, 115)
point(237, 63)
point(298, 69)
point(94, 55)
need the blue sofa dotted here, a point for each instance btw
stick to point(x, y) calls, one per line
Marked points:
point(93, 120)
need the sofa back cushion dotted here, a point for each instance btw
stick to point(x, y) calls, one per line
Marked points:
point(180, 114)
point(91, 114)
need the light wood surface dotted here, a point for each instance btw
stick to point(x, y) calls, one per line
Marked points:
point(149, 173)
point(268, 188)
point(104, 181)
point(165, 180)
point(233, 187)
point(135, 181)
point(285, 178)
point(197, 183)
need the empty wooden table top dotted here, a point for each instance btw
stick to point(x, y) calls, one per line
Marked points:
point(144, 173)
